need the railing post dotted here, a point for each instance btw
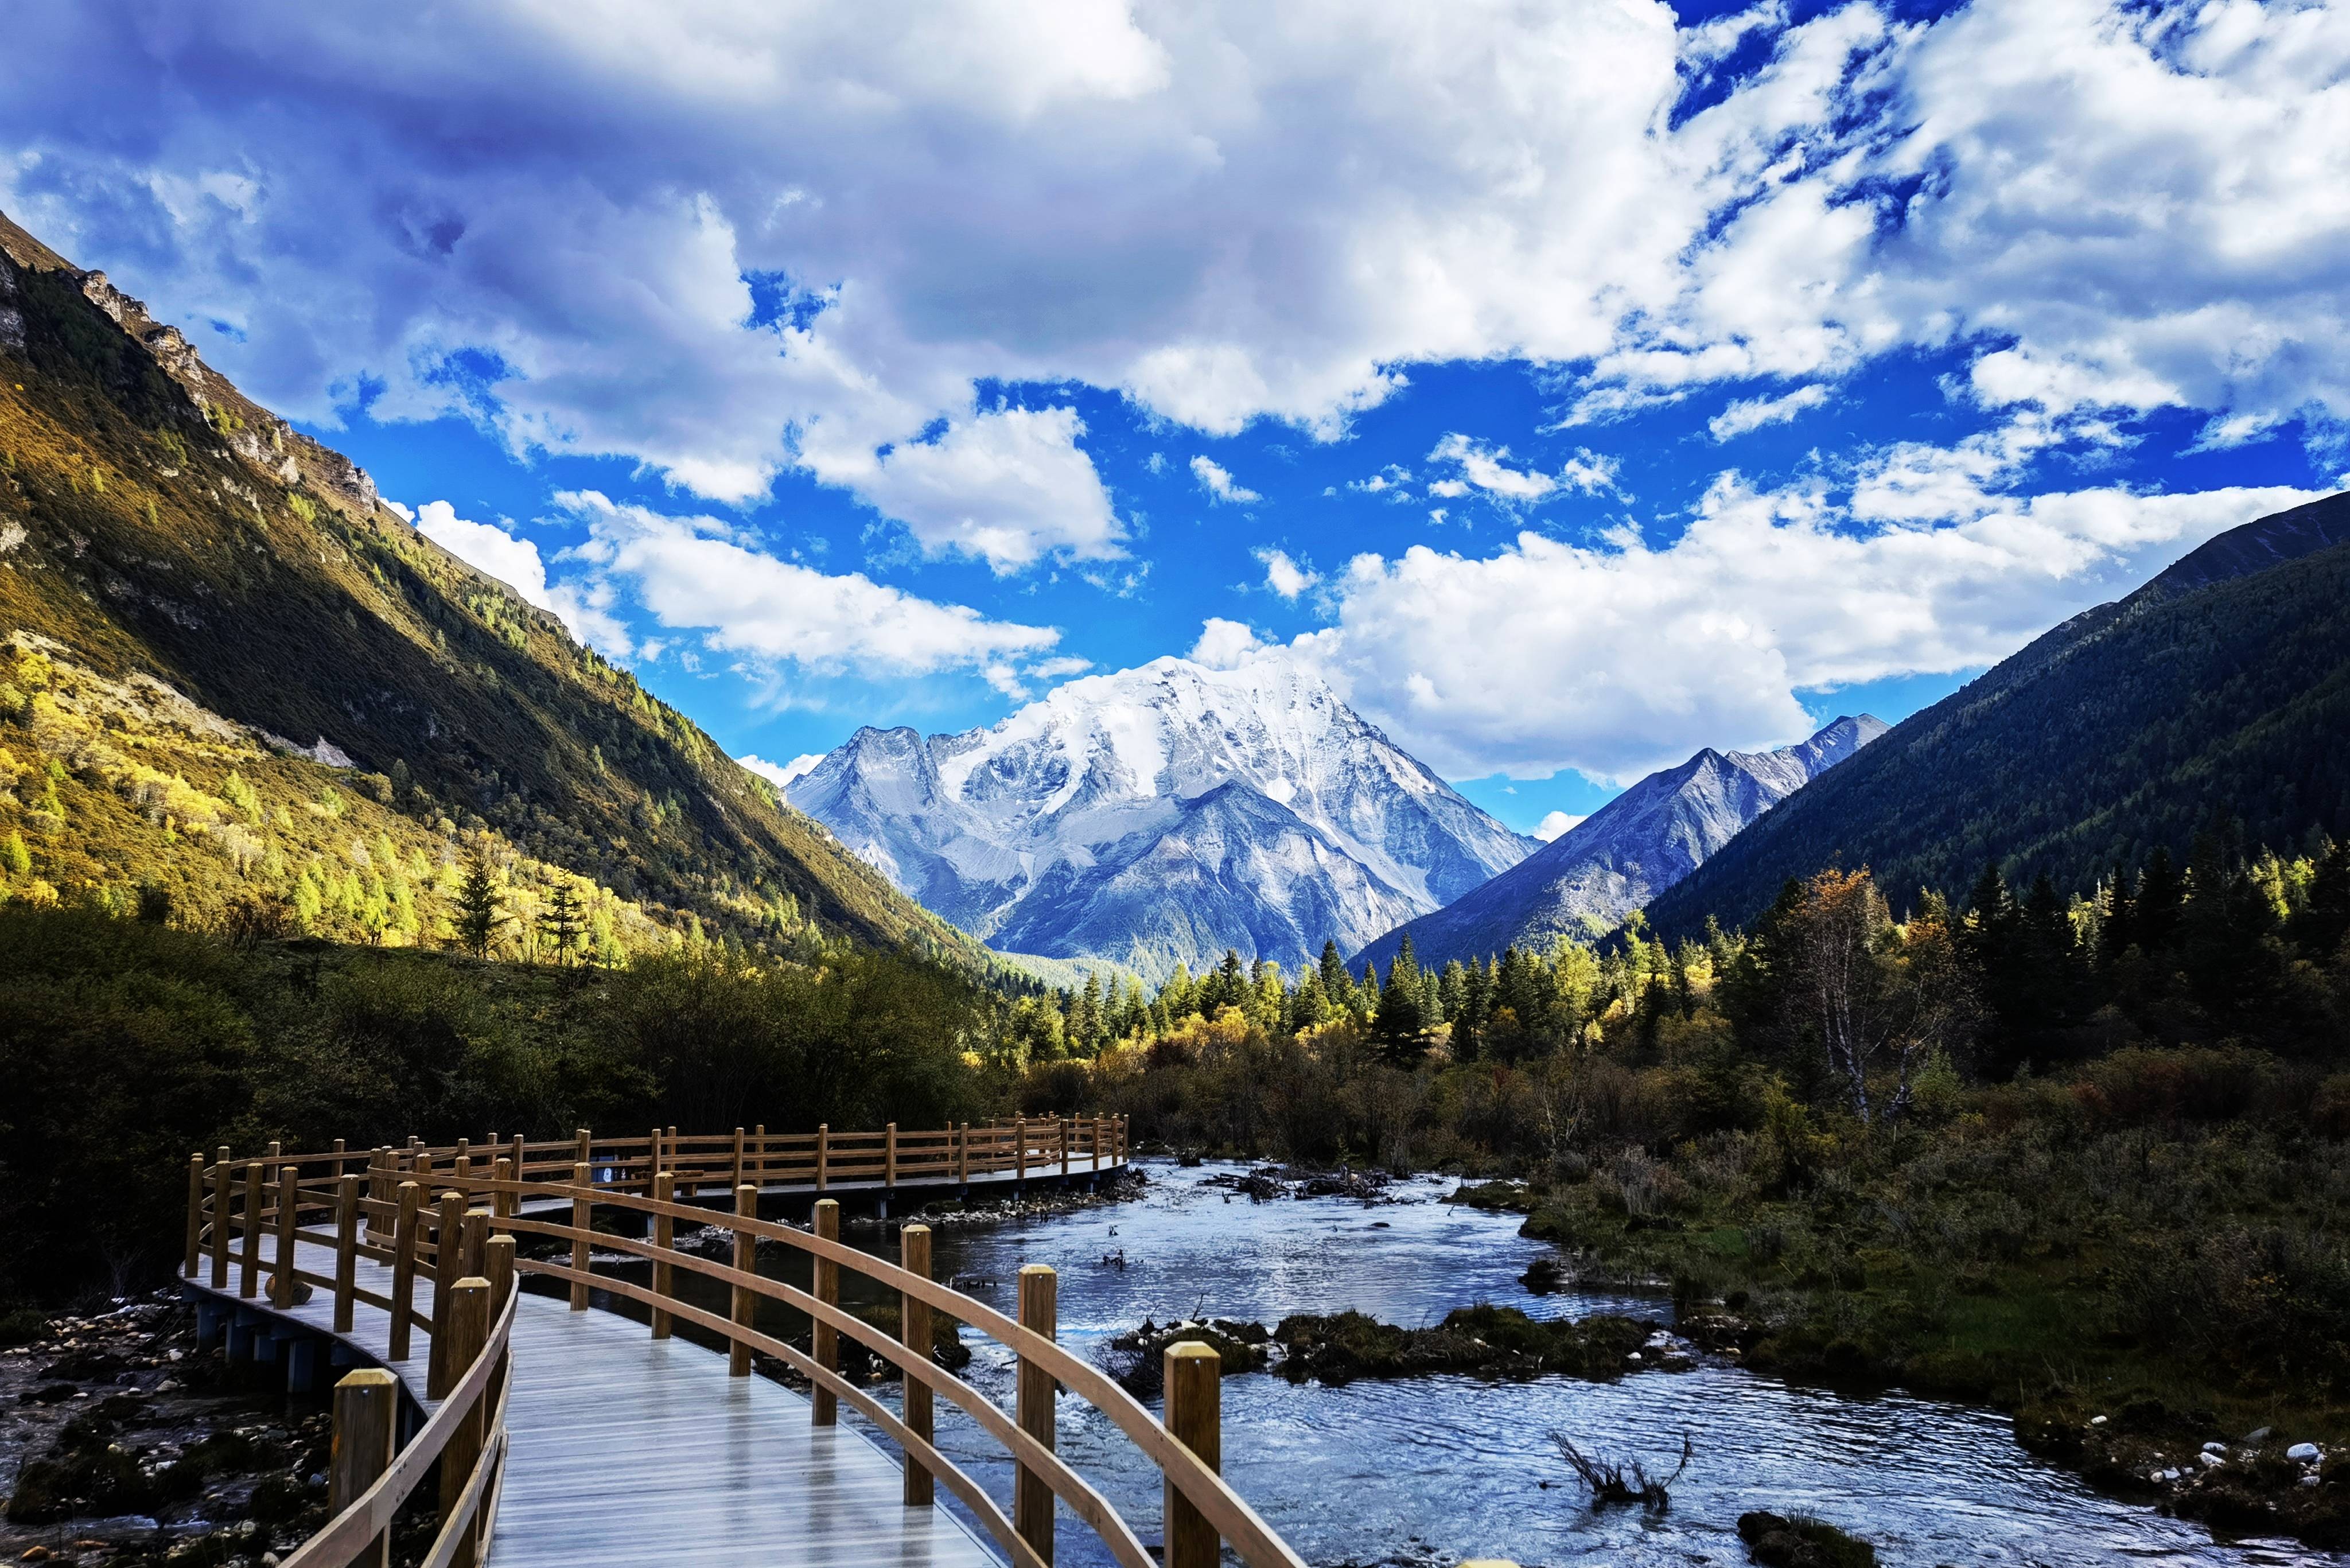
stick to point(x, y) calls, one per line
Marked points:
point(376, 1191)
point(403, 1267)
point(366, 1412)
point(1194, 1373)
point(282, 1283)
point(348, 1202)
point(447, 1252)
point(581, 1212)
point(520, 1159)
point(759, 1155)
point(1061, 1132)
point(469, 1332)
point(914, 1333)
point(501, 1202)
point(738, 1158)
point(248, 1283)
point(962, 1154)
point(223, 1204)
point(1031, 1500)
point(585, 1149)
point(498, 1268)
point(1097, 1129)
point(826, 1340)
point(1020, 1149)
point(890, 1156)
point(664, 1232)
point(195, 1214)
point(823, 1152)
point(746, 1259)
point(476, 1234)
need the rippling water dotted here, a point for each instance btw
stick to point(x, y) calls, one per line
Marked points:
point(1447, 1468)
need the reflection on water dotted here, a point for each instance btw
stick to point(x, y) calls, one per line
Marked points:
point(1447, 1468)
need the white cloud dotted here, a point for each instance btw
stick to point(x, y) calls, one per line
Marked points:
point(1555, 823)
point(1219, 483)
point(781, 774)
point(574, 222)
point(487, 548)
point(1616, 658)
point(690, 573)
point(1486, 468)
point(1754, 413)
point(1283, 576)
point(1006, 486)
point(1226, 644)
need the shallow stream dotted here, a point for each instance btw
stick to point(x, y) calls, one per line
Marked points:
point(1440, 1469)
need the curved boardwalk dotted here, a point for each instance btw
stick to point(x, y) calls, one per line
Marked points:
point(625, 1449)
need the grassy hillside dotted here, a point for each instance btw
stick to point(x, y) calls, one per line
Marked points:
point(206, 614)
point(2203, 696)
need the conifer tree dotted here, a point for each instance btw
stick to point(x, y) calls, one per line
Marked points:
point(481, 907)
point(559, 924)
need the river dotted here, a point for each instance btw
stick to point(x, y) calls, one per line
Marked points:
point(1435, 1469)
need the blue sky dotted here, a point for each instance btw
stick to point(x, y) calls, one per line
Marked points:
point(1572, 389)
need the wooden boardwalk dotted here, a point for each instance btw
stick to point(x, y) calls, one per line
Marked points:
point(624, 1449)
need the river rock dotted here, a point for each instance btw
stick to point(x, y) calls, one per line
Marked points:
point(2303, 1453)
point(1799, 1543)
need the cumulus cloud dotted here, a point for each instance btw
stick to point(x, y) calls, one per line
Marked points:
point(1618, 657)
point(1283, 576)
point(1226, 644)
point(1006, 486)
point(691, 574)
point(1485, 469)
point(1219, 483)
point(1754, 413)
point(781, 774)
point(1553, 824)
point(723, 243)
point(485, 546)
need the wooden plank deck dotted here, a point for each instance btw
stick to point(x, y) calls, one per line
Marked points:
point(626, 1449)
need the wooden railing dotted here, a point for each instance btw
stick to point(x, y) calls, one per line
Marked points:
point(378, 1203)
point(470, 1371)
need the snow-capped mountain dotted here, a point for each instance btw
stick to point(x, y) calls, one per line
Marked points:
point(1589, 877)
point(1162, 815)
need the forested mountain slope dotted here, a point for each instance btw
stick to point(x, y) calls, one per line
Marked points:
point(1584, 882)
point(2221, 689)
point(232, 673)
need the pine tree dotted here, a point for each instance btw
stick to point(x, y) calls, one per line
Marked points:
point(1335, 983)
point(1398, 1022)
point(559, 924)
point(481, 907)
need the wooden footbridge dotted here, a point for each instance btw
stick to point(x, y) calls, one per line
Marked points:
point(561, 1435)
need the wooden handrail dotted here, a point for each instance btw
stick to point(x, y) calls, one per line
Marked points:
point(1222, 1508)
point(379, 1204)
point(370, 1513)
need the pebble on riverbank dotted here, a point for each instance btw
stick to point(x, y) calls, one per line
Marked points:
point(2260, 1484)
point(131, 1447)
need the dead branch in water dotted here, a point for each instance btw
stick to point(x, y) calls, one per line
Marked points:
point(1611, 1483)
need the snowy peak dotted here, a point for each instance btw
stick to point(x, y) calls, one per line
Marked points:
point(1160, 814)
point(1586, 881)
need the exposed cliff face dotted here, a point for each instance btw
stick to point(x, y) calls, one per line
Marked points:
point(1644, 841)
point(1162, 815)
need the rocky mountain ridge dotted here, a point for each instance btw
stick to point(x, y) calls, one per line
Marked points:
point(1160, 815)
point(1585, 881)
